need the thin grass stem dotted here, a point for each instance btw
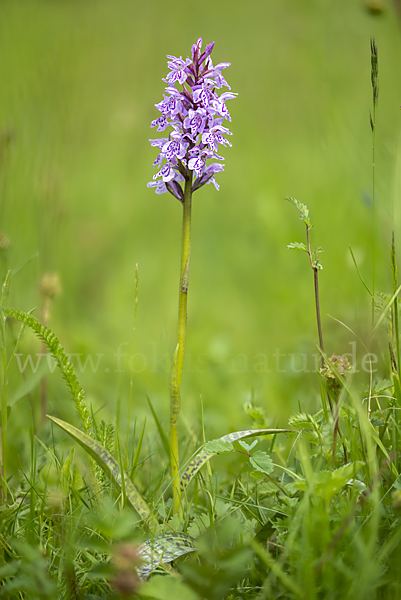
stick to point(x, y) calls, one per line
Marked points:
point(132, 351)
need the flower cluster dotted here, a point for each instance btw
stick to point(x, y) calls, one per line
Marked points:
point(196, 114)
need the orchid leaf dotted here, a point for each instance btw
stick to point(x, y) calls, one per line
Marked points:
point(204, 455)
point(108, 463)
point(163, 549)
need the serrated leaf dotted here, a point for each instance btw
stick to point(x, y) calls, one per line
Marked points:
point(327, 484)
point(255, 412)
point(199, 525)
point(218, 446)
point(108, 463)
point(297, 246)
point(385, 384)
point(262, 462)
point(163, 549)
point(303, 209)
point(203, 456)
point(379, 386)
point(246, 446)
point(302, 421)
point(267, 487)
point(376, 421)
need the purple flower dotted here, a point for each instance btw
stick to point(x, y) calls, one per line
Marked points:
point(213, 137)
point(195, 111)
point(196, 121)
point(161, 123)
point(177, 67)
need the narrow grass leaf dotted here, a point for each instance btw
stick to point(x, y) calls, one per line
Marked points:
point(138, 449)
point(5, 291)
point(162, 435)
point(359, 274)
point(388, 306)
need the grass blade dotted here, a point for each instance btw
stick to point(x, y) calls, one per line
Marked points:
point(162, 435)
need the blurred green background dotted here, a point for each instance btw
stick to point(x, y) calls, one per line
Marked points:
point(79, 84)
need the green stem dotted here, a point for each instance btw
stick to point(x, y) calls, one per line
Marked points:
point(374, 212)
point(4, 409)
point(317, 297)
point(178, 363)
point(317, 304)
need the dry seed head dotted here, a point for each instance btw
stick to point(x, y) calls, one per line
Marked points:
point(125, 558)
point(374, 59)
point(4, 241)
point(375, 7)
point(342, 365)
point(50, 285)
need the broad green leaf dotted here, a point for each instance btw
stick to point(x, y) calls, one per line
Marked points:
point(297, 246)
point(166, 588)
point(327, 484)
point(217, 446)
point(108, 463)
point(262, 462)
point(163, 549)
point(203, 456)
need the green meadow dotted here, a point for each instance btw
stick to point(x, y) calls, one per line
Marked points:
point(79, 85)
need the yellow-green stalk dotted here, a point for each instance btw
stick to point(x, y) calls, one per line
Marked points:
point(178, 362)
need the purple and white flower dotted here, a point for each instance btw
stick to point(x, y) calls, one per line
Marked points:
point(195, 113)
point(178, 69)
point(196, 121)
point(214, 137)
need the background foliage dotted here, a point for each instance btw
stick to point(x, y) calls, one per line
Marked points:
point(79, 83)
